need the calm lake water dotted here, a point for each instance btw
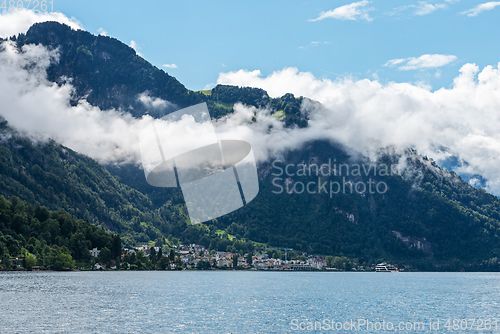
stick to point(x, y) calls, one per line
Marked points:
point(244, 302)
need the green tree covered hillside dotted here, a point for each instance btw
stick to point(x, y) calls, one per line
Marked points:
point(428, 218)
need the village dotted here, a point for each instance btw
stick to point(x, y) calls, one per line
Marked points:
point(186, 257)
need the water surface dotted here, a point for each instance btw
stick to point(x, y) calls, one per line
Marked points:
point(237, 301)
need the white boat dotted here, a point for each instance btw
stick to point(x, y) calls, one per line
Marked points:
point(385, 268)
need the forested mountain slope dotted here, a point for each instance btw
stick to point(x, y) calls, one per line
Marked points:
point(427, 217)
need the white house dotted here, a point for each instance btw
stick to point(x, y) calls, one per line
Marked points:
point(99, 266)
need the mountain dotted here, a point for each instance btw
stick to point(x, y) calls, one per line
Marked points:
point(102, 69)
point(428, 218)
point(56, 177)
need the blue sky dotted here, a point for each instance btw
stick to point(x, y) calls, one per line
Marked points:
point(204, 38)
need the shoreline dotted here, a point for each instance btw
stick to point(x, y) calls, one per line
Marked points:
point(240, 270)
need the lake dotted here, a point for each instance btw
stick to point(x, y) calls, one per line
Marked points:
point(248, 302)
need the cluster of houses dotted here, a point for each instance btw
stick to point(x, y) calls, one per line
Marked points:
point(190, 255)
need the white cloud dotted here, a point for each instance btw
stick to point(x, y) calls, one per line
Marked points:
point(423, 62)
point(136, 47)
point(169, 65)
point(353, 11)
point(367, 115)
point(41, 109)
point(317, 43)
point(314, 44)
point(16, 22)
point(102, 32)
point(481, 8)
point(425, 8)
point(422, 8)
point(153, 102)
point(393, 62)
point(209, 86)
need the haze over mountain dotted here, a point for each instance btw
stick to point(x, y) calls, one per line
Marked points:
point(94, 94)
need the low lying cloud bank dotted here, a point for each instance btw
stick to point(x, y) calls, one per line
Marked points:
point(41, 109)
point(367, 115)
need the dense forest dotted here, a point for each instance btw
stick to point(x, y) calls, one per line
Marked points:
point(48, 239)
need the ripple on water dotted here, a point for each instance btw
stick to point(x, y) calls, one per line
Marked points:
point(232, 301)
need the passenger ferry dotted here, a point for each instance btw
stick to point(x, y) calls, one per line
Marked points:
point(385, 268)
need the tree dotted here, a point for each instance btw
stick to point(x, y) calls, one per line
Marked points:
point(116, 247)
point(235, 261)
point(171, 256)
point(105, 255)
point(152, 255)
point(49, 238)
point(249, 259)
point(140, 260)
point(30, 261)
point(163, 263)
point(6, 262)
point(202, 265)
point(159, 255)
point(60, 259)
point(178, 263)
